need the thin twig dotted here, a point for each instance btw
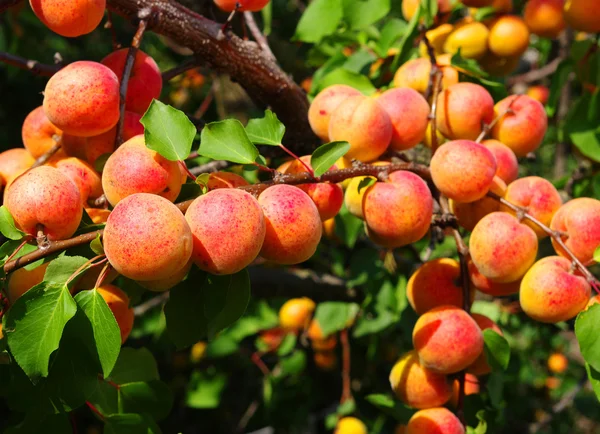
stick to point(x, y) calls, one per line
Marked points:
point(32, 66)
point(208, 99)
point(346, 378)
point(536, 74)
point(141, 309)
point(488, 127)
point(213, 166)
point(260, 38)
point(43, 159)
point(433, 86)
point(188, 64)
point(247, 416)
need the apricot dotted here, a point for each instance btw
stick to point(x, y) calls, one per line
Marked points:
point(295, 314)
point(84, 176)
point(415, 74)
point(398, 212)
point(323, 106)
point(350, 425)
point(318, 340)
point(161, 285)
point(502, 6)
point(557, 363)
point(409, 7)
point(489, 287)
point(353, 197)
point(551, 293)
point(579, 220)
point(447, 339)
point(469, 214)
point(501, 248)
point(594, 300)
point(435, 421)
point(428, 140)
point(134, 168)
point(507, 166)
point(435, 283)
point(228, 228)
point(46, 199)
point(325, 360)
point(98, 215)
point(471, 388)
point(417, 386)
point(545, 17)
point(462, 110)
point(539, 93)
point(225, 180)
point(582, 15)
point(481, 366)
point(14, 162)
point(22, 280)
point(477, 3)
point(71, 19)
point(145, 80)
point(38, 133)
point(82, 99)
point(89, 278)
point(470, 37)
point(523, 127)
point(436, 37)
point(293, 225)
point(118, 303)
point(362, 122)
point(147, 238)
point(498, 66)
point(509, 36)
point(538, 196)
point(409, 113)
point(463, 170)
point(244, 5)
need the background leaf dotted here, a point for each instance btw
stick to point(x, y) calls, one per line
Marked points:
point(496, 349)
point(334, 316)
point(320, 19)
point(586, 330)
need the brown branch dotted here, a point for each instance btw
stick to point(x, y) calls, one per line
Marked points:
point(32, 66)
point(433, 86)
point(258, 34)
point(346, 378)
point(561, 152)
point(535, 74)
point(488, 127)
point(188, 64)
point(151, 303)
point(43, 159)
point(213, 166)
point(5, 4)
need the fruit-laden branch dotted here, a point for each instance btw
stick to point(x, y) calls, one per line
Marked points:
point(33, 66)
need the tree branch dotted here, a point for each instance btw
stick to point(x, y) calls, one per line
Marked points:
point(258, 34)
point(535, 74)
point(32, 66)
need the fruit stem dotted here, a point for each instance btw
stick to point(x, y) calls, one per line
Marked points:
point(43, 159)
point(488, 127)
point(294, 156)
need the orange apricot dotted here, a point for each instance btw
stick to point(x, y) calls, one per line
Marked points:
point(325, 360)
point(14, 162)
point(295, 314)
point(409, 7)
point(476, 3)
point(241, 5)
point(469, 214)
point(118, 303)
point(416, 72)
point(489, 287)
point(318, 340)
point(582, 15)
point(507, 166)
point(480, 366)
point(70, 19)
point(470, 37)
point(84, 176)
point(545, 17)
point(509, 36)
point(471, 388)
point(435, 421)
point(436, 37)
point(323, 106)
point(22, 280)
point(98, 215)
point(539, 93)
point(38, 133)
point(354, 195)
point(225, 180)
point(161, 285)
point(557, 363)
point(350, 425)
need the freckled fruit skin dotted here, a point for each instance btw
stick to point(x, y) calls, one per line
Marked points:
point(228, 227)
point(245, 5)
point(47, 197)
point(161, 285)
point(434, 421)
point(118, 302)
point(38, 133)
point(70, 19)
point(82, 99)
point(550, 293)
point(293, 225)
point(295, 313)
point(84, 176)
point(147, 237)
point(134, 168)
point(323, 106)
point(481, 366)
point(507, 166)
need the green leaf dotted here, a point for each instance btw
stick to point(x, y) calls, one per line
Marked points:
point(484, 13)
point(134, 365)
point(597, 254)
point(62, 268)
point(390, 406)
point(406, 43)
point(495, 387)
point(267, 18)
point(391, 32)
point(267, 130)
point(584, 132)
point(7, 225)
point(559, 79)
point(360, 14)
point(586, 330)
point(34, 325)
point(168, 131)
point(353, 79)
point(348, 227)
point(594, 377)
point(496, 349)
point(96, 246)
point(107, 335)
point(204, 390)
point(130, 423)
point(287, 345)
point(321, 18)
point(35, 424)
point(359, 61)
point(294, 364)
point(326, 155)
point(227, 140)
point(334, 316)
point(152, 397)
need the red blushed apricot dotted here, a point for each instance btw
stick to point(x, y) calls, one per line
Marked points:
point(545, 17)
point(398, 212)
point(501, 248)
point(579, 219)
point(147, 238)
point(489, 287)
point(323, 106)
point(350, 425)
point(14, 162)
point(84, 176)
point(463, 170)
point(20, 281)
point(409, 113)
point(118, 303)
point(70, 19)
point(447, 339)
point(44, 197)
point(557, 363)
point(145, 80)
point(582, 15)
point(225, 180)
point(551, 293)
point(161, 285)
point(294, 227)
point(417, 386)
point(523, 127)
point(481, 366)
point(38, 133)
point(539, 93)
point(416, 72)
point(471, 388)
point(82, 99)
point(363, 123)
point(228, 227)
point(244, 5)
point(469, 214)
point(507, 166)
point(409, 7)
point(538, 195)
point(463, 109)
point(134, 168)
point(435, 421)
point(509, 36)
point(435, 283)
point(295, 314)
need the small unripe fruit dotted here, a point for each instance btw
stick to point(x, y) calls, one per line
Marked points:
point(295, 314)
point(350, 425)
point(557, 363)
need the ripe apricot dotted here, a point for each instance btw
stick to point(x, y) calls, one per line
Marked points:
point(557, 363)
point(501, 248)
point(325, 360)
point(225, 180)
point(98, 215)
point(469, 214)
point(471, 388)
point(480, 366)
point(118, 303)
point(409, 7)
point(244, 5)
point(476, 3)
point(82, 99)
point(498, 66)
point(362, 122)
point(434, 420)
point(470, 37)
point(507, 166)
point(522, 128)
point(228, 228)
point(489, 287)
point(47, 199)
point(145, 80)
point(22, 280)
point(134, 168)
point(582, 15)
point(350, 425)
point(594, 300)
point(417, 386)
point(354, 195)
point(462, 110)
point(435, 283)
point(293, 225)
point(38, 133)
point(550, 292)
point(436, 37)
point(147, 238)
point(539, 93)
point(90, 277)
point(463, 170)
point(295, 314)
point(70, 19)
point(509, 36)
point(84, 176)
point(545, 17)
point(161, 285)
point(323, 106)
point(14, 162)
point(416, 73)
point(318, 340)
